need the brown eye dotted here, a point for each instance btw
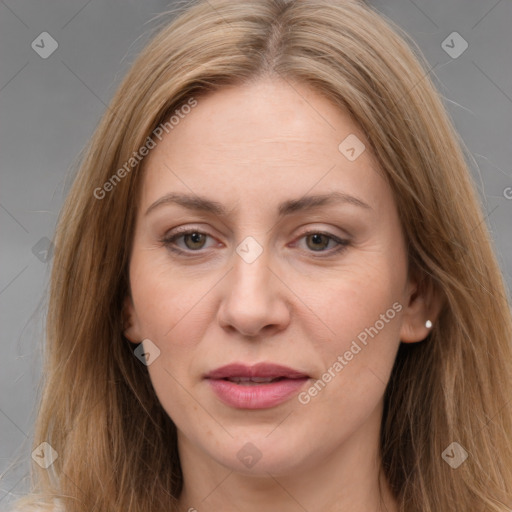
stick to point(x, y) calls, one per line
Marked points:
point(317, 241)
point(194, 240)
point(188, 241)
point(325, 244)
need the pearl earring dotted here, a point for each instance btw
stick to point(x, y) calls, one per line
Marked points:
point(428, 324)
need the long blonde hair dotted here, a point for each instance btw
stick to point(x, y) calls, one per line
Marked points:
point(116, 445)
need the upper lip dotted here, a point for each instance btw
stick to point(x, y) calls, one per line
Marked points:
point(268, 370)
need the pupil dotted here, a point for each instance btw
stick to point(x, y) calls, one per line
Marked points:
point(196, 239)
point(318, 238)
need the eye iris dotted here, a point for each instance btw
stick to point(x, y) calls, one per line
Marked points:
point(319, 240)
point(198, 240)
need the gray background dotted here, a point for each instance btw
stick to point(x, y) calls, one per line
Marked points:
point(50, 106)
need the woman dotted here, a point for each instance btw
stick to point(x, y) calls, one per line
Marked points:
point(273, 287)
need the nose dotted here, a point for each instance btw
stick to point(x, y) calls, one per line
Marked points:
point(254, 299)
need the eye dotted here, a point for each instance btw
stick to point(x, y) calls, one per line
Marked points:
point(317, 241)
point(192, 240)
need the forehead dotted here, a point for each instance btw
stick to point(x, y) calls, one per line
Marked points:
point(263, 115)
point(268, 135)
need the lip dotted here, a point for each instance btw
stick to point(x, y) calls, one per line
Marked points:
point(269, 370)
point(255, 396)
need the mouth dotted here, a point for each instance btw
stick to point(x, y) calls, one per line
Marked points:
point(253, 381)
point(260, 386)
point(261, 372)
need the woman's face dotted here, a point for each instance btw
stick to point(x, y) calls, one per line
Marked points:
point(267, 238)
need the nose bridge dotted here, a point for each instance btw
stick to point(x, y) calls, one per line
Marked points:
point(251, 266)
point(250, 285)
point(251, 277)
point(252, 299)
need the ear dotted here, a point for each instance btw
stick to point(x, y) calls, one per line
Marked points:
point(131, 328)
point(424, 303)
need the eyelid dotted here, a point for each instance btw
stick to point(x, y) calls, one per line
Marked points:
point(324, 231)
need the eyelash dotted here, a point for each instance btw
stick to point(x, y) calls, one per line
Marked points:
point(169, 241)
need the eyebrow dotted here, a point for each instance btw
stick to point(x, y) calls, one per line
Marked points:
point(310, 202)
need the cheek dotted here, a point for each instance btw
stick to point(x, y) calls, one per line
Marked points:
point(360, 314)
point(164, 298)
point(171, 389)
point(357, 362)
point(355, 298)
point(170, 311)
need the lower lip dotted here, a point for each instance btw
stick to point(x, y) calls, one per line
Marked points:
point(256, 396)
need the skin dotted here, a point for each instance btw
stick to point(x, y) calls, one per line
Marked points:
point(300, 303)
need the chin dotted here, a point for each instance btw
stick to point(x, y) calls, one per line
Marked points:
point(259, 455)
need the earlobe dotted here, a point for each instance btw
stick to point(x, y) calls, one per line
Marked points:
point(421, 312)
point(130, 324)
point(413, 334)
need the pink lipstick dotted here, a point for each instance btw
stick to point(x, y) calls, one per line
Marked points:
point(259, 386)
